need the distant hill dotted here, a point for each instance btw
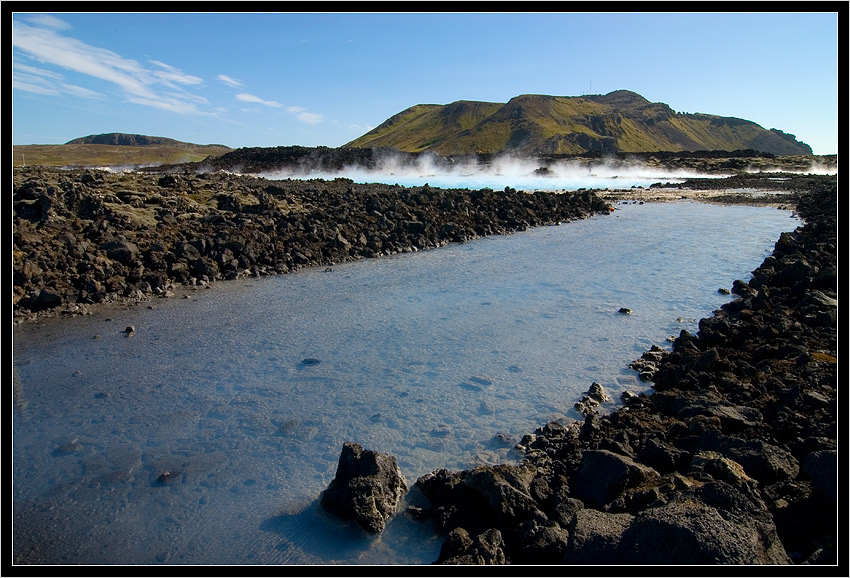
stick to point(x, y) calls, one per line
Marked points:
point(531, 124)
point(115, 149)
point(123, 139)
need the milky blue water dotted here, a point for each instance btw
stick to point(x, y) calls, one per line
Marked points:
point(520, 174)
point(247, 391)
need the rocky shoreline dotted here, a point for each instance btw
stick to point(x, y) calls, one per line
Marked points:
point(732, 460)
point(85, 237)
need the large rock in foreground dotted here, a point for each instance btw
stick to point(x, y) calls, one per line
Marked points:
point(367, 488)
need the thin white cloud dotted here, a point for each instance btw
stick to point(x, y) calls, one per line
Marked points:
point(232, 82)
point(170, 74)
point(36, 87)
point(23, 69)
point(81, 92)
point(139, 84)
point(245, 97)
point(310, 117)
point(305, 117)
point(166, 104)
point(40, 81)
point(189, 97)
point(49, 21)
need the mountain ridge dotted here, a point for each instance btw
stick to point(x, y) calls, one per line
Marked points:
point(127, 139)
point(534, 124)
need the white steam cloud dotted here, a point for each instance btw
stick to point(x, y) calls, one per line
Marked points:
point(519, 173)
point(504, 171)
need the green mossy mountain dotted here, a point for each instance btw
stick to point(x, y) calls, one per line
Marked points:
point(532, 124)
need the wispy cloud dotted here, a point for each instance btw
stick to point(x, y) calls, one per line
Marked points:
point(169, 74)
point(49, 21)
point(245, 97)
point(310, 117)
point(232, 82)
point(43, 51)
point(40, 81)
point(305, 117)
point(139, 84)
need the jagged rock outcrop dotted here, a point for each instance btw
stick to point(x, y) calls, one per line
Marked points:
point(367, 488)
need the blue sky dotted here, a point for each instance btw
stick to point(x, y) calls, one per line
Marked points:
point(323, 79)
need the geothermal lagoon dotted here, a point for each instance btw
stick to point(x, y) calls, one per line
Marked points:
point(207, 435)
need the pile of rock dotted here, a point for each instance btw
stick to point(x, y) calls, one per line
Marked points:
point(84, 236)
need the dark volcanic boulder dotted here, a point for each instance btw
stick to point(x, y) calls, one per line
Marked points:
point(765, 462)
point(822, 466)
point(480, 498)
point(603, 475)
point(367, 488)
point(712, 524)
point(486, 548)
point(505, 490)
point(696, 528)
point(122, 251)
point(47, 298)
point(594, 537)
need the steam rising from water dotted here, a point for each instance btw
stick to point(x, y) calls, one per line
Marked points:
point(507, 171)
point(526, 174)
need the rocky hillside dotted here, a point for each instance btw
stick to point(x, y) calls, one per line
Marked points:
point(620, 121)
